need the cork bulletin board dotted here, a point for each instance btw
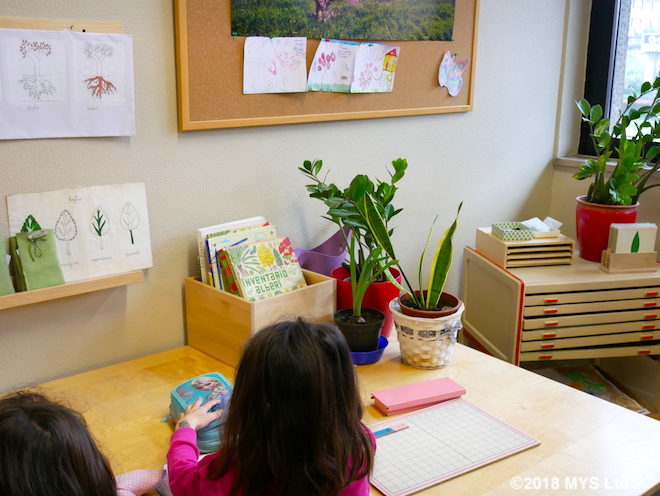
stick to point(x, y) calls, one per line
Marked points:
point(210, 76)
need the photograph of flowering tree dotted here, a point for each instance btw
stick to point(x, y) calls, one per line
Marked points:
point(408, 20)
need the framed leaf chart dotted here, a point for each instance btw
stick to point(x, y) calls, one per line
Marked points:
point(210, 67)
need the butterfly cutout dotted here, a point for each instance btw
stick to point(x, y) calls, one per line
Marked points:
point(451, 73)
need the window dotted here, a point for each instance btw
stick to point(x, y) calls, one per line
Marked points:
point(624, 51)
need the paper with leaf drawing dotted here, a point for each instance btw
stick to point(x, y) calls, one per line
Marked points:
point(274, 65)
point(375, 64)
point(333, 65)
point(100, 230)
point(56, 84)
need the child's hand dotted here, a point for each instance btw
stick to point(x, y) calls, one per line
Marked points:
point(198, 416)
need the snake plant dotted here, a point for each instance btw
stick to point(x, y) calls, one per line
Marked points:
point(439, 267)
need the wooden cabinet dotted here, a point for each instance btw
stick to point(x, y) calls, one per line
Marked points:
point(559, 312)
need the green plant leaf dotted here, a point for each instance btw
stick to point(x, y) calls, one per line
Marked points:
point(358, 187)
point(441, 264)
point(584, 107)
point(602, 127)
point(400, 165)
point(377, 226)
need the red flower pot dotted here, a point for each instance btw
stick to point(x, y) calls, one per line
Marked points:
point(592, 222)
point(377, 296)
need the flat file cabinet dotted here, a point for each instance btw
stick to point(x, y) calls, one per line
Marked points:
point(559, 312)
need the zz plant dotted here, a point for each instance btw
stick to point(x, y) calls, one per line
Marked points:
point(638, 159)
point(345, 208)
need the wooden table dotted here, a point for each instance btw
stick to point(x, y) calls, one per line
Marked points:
point(613, 450)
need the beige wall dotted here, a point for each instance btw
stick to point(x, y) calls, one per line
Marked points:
point(497, 159)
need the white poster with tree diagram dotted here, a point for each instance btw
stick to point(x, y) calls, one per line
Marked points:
point(100, 230)
point(57, 84)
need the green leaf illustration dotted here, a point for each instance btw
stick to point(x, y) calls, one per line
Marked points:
point(129, 219)
point(30, 225)
point(634, 248)
point(98, 224)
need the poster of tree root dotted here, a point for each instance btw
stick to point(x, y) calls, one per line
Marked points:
point(65, 84)
point(100, 230)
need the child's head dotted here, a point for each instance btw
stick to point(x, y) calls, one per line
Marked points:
point(45, 448)
point(295, 414)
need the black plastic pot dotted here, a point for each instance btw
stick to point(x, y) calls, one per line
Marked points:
point(361, 337)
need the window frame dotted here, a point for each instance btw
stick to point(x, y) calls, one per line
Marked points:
point(599, 74)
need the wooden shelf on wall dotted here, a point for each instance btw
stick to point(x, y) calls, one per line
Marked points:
point(70, 289)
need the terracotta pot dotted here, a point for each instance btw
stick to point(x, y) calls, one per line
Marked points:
point(377, 296)
point(361, 337)
point(592, 222)
point(448, 299)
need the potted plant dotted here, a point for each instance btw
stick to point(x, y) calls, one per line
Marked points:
point(615, 198)
point(362, 326)
point(431, 302)
point(345, 208)
point(427, 320)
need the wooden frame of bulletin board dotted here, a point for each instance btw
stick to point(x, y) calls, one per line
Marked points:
point(210, 76)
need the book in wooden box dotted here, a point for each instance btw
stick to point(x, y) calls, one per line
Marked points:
point(219, 322)
point(529, 253)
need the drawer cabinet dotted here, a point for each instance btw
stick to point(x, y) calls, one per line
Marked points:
point(559, 312)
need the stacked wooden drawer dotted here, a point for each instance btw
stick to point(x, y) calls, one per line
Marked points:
point(590, 323)
point(529, 253)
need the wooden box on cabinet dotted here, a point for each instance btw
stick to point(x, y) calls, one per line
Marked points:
point(219, 322)
point(528, 253)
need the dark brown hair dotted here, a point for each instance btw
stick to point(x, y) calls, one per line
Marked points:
point(293, 427)
point(46, 449)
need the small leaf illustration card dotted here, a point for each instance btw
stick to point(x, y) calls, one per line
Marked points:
point(97, 231)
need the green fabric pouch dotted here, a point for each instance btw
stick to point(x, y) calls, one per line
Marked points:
point(16, 263)
point(37, 253)
point(6, 286)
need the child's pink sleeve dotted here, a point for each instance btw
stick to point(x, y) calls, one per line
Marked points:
point(183, 473)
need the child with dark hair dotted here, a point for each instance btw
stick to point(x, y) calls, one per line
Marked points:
point(293, 427)
point(46, 449)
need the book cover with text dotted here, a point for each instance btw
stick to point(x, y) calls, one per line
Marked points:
point(204, 232)
point(221, 240)
point(265, 268)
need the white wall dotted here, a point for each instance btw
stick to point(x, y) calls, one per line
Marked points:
point(497, 159)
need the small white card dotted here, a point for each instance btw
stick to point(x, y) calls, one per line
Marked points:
point(633, 238)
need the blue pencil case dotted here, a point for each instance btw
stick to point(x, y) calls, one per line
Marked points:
point(211, 386)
